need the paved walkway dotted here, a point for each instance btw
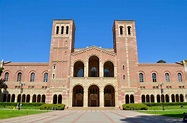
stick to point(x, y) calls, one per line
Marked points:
point(92, 116)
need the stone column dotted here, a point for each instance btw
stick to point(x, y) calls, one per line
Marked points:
point(100, 70)
point(30, 98)
point(85, 103)
point(101, 98)
point(86, 69)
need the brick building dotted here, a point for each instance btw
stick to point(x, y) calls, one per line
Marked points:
point(94, 76)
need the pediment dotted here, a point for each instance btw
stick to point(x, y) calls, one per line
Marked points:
point(102, 50)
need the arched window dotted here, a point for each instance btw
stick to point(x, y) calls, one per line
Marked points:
point(143, 98)
point(179, 77)
point(57, 29)
point(55, 99)
point(32, 77)
point(60, 99)
point(131, 98)
point(34, 98)
point(141, 78)
point(43, 98)
point(167, 97)
point(158, 98)
point(129, 30)
point(108, 69)
point(154, 77)
point(167, 77)
point(28, 98)
point(127, 99)
point(123, 67)
point(13, 98)
point(147, 98)
point(45, 77)
point(124, 77)
point(181, 98)
point(93, 66)
point(78, 69)
point(121, 30)
point(67, 29)
point(62, 29)
point(6, 76)
point(19, 77)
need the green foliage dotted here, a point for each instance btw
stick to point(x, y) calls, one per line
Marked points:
point(161, 61)
point(24, 105)
point(167, 104)
point(1, 70)
point(135, 106)
point(52, 107)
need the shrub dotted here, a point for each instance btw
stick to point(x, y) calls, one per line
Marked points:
point(136, 106)
point(52, 107)
point(167, 104)
point(24, 105)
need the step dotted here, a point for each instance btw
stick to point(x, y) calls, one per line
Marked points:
point(93, 108)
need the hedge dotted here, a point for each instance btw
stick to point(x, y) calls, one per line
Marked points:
point(52, 107)
point(14, 104)
point(135, 106)
point(167, 104)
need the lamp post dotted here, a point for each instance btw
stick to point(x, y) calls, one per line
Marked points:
point(162, 92)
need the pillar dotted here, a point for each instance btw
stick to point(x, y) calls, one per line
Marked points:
point(85, 100)
point(101, 98)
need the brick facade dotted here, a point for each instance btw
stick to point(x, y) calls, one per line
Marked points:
point(94, 76)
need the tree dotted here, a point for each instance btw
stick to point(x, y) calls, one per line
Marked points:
point(161, 61)
point(2, 84)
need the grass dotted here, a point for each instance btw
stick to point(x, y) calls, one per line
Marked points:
point(16, 113)
point(171, 111)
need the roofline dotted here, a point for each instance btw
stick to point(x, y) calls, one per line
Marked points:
point(63, 19)
point(124, 20)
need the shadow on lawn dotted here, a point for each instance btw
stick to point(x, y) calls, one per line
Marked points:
point(152, 119)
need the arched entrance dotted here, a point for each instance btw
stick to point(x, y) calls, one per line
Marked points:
point(93, 96)
point(78, 96)
point(109, 96)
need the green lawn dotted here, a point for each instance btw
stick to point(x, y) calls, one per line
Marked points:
point(15, 113)
point(171, 112)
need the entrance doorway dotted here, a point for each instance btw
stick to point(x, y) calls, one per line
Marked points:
point(109, 96)
point(78, 95)
point(93, 96)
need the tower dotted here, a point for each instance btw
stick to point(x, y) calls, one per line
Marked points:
point(124, 36)
point(62, 45)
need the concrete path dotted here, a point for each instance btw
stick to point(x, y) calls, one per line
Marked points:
point(92, 116)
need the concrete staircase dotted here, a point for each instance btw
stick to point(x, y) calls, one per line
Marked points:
point(93, 108)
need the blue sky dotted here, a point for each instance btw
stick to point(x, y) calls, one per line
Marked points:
point(25, 26)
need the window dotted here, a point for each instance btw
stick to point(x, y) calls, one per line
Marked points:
point(57, 29)
point(53, 76)
point(6, 76)
point(141, 79)
point(123, 67)
point(94, 72)
point(45, 77)
point(19, 77)
point(121, 30)
point(179, 77)
point(129, 30)
point(167, 77)
point(32, 77)
point(67, 29)
point(154, 77)
point(62, 29)
point(124, 77)
point(106, 73)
